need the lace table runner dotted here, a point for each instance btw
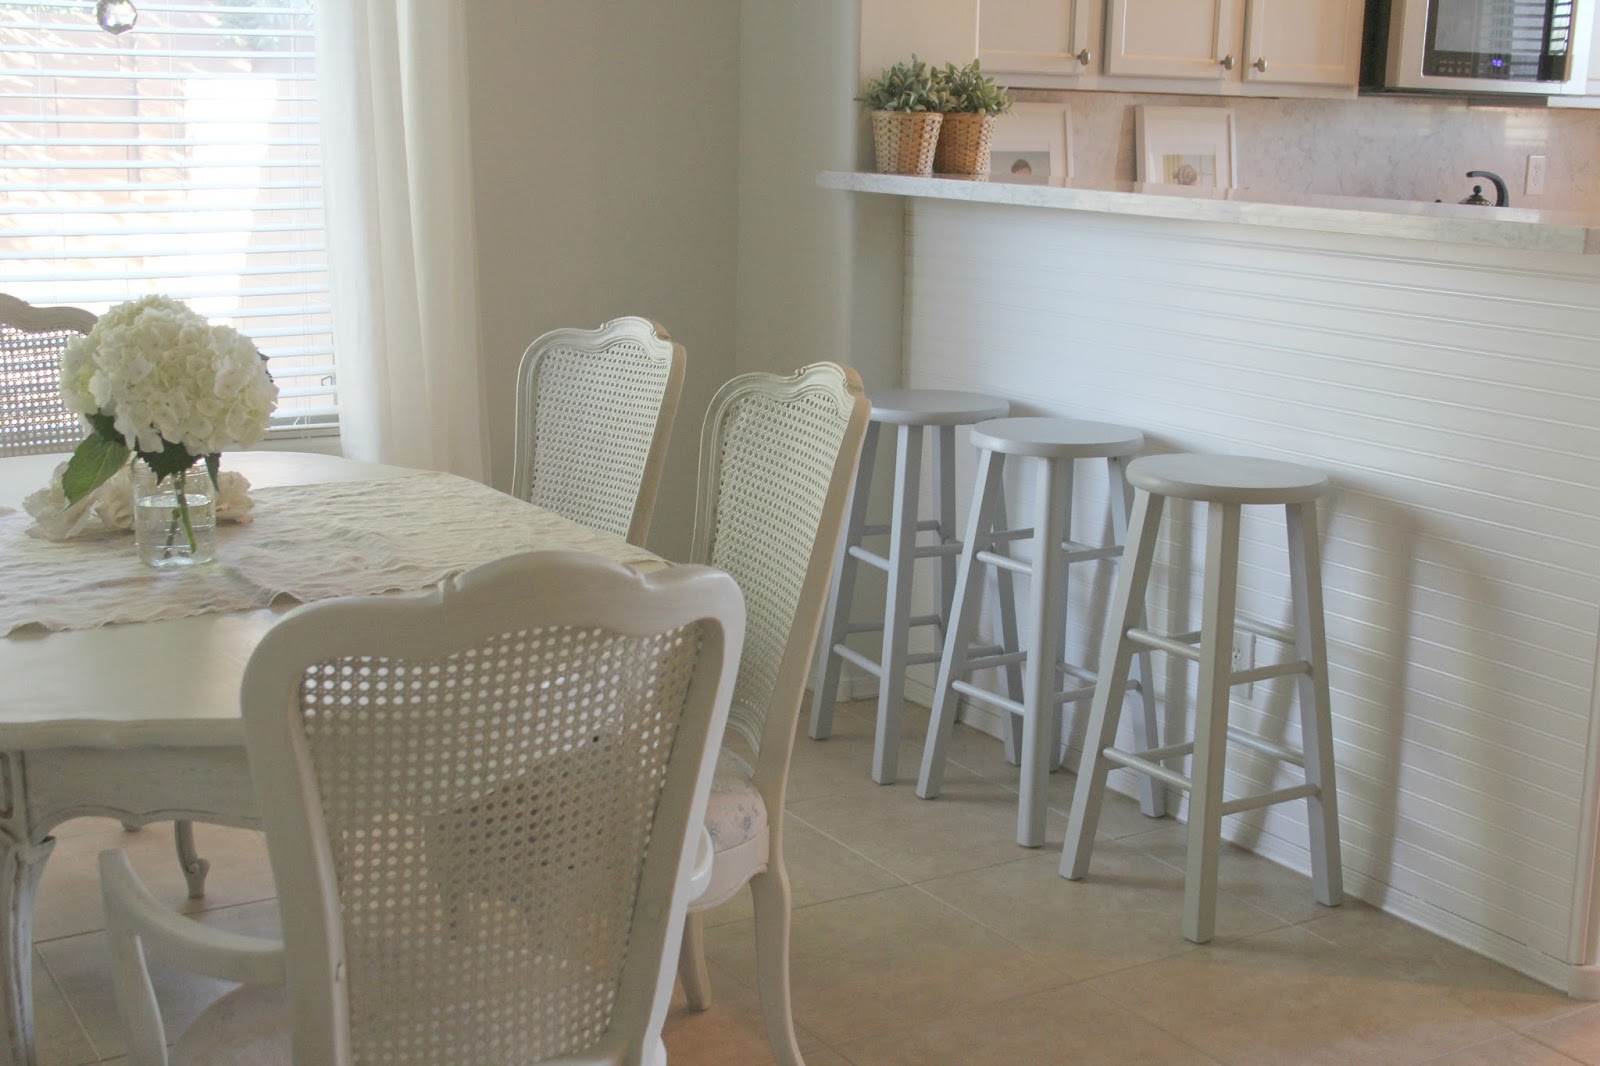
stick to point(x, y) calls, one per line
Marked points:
point(308, 542)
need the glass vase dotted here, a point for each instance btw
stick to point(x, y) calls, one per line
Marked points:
point(174, 518)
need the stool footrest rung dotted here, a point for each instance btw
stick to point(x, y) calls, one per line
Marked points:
point(1168, 752)
point(877, 627)
point(1280, 634)
point(989, 662)
point(1083, 673)
point(1083, 553)
point(1162, 642)
point(878, 529)
point(983, 695)
point(1006, 536)
point(922, 658)
point(1145, 766)
point(1265, 746)
point(869, 557)
point(1073, 695)
point(927, 551)
point(1267, 799)
point(1271, 670)
point(1005, 562)
point(850, 655)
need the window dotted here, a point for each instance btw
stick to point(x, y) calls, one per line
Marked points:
point(182, 158)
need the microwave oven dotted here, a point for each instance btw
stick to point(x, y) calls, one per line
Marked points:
point(1475, 46)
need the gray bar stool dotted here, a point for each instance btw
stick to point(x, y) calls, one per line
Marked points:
point(1224, 483)
point(910, 411)
point(1055, 445)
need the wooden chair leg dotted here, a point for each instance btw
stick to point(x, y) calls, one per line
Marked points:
point(772, 901)
point(968, 597)
point(1316, 714)
point(897, 606)
point(1116, 652)
point(692, 970)
point(835, 627)
point(1211, 721)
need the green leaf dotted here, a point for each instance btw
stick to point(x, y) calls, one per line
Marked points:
point(91, 466)
point(105, 427)
point(168, 461)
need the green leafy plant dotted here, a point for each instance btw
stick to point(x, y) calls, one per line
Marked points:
point(906, 86)
point(969, 90)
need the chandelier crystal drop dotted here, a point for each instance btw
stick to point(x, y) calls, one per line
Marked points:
point(116, 16)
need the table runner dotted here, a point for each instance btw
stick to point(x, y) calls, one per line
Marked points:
point(308, 542)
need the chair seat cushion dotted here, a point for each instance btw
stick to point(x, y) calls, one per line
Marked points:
point(247, 1027)
point(735, 814)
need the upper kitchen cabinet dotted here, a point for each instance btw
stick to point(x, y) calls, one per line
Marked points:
point(1053, 43)
point(1216, 47)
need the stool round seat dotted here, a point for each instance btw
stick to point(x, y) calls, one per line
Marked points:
point(935, 407)
point(1056, 438)
point(1227, 478)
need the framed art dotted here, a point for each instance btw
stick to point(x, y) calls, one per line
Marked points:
point(1192, 146)
point(1032, 143)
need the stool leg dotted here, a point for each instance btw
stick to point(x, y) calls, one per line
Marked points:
point(1047, 617)
point(1211, 721)
point(1116, 652)
point(986, 496)
point(1058, 713)
point(1146, 729)
point(944, 509)
point(897, 605)
point(835, 628)
point(1316, 715)
point(1005, 597)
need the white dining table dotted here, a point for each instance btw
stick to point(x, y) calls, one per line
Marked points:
point(138, 722)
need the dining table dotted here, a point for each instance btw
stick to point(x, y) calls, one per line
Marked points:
point(119, 684)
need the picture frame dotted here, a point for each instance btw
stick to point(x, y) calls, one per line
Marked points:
point(1032, 143)
point(1185, 146)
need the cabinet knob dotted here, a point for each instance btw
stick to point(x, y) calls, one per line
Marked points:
point(1085, 57)
point(1260, 64)
point(1227, 61)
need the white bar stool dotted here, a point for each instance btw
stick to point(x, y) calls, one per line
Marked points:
point(1056, 444)
point(1224, 483)
point(910, 411)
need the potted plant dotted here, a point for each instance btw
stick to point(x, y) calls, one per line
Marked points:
point(907, 105)
point(971, 101)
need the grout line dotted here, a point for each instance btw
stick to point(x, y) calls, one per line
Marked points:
point(41, 966)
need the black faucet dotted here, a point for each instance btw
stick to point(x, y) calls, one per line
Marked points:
point(1502, 197)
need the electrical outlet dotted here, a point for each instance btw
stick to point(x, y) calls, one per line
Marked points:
point(1244, 657)
point(1537, 166)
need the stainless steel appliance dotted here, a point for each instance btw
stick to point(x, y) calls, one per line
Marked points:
point(1475, 46)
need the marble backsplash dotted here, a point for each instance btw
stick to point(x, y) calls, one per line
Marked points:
point(1390, 147)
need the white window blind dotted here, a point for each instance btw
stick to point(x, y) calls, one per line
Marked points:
point(181, 158)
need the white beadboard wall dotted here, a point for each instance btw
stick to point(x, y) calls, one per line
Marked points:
point(1453, 395)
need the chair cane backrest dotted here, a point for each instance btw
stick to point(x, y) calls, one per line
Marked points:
point(776, 461)
point(32, 339)
point(481, 804)
point(594, 412)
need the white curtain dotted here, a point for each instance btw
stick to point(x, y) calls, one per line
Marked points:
point(397, 180)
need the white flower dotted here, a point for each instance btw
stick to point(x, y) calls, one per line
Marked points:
point(233, 497)
point(166, 376)
point(53, 519)
point(114, 499)
point(110, 506)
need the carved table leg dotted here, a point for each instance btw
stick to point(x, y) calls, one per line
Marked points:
point(20, 867)
point(194, 867)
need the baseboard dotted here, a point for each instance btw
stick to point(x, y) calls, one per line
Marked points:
point(1579, 982)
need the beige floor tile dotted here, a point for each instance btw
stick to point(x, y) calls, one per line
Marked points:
point(890, 958)
point(1287, 996)
point(820, 869)
point(1062, 1025)
point(1576, 1034)
point(1485, 987)
point(842, 764)
point(730, 1031)
point(59, 1038)
point(69, 891)
point(1261, 882)
point(1127, 912)
point(81, 966)
point(1513, 1050)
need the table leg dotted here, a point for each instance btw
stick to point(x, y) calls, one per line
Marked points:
point(21, 863)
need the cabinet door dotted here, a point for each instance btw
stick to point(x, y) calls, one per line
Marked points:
point(1036, 36)
point(1173, 38)
point(1303, 42)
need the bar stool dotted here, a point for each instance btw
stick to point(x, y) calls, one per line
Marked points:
point(910, 411)
point(1056, 445)
point(1224, 483)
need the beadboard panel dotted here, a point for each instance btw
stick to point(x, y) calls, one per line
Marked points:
point(1453, 395)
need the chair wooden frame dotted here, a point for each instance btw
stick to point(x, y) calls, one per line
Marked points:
point(539, 589)
point(639, 354)
point(770, 730)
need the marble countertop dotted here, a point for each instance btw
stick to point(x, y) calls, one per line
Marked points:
point(1502, 227)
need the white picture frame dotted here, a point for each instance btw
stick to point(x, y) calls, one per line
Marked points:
point(1185, 146)
point(1037, 137)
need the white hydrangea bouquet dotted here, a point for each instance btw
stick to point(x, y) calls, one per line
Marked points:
point(154, 381)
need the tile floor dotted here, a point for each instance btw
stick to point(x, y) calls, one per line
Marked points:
point(923, 936)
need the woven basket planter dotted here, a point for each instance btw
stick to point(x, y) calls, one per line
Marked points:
point(964, 139)
point(904, 141)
